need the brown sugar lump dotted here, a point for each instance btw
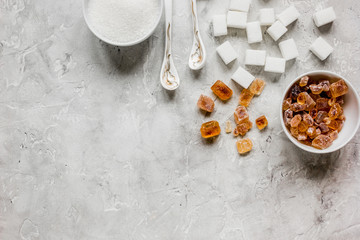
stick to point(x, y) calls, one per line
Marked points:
point(244, 145)
point(286, 104)
point(206, 103)
point(322, 142)
point(316, 89)
point(228, 127)
point(304, 81)
point(241, 114)
point(313, 110)
point(338, 88)
point(261, 122)
point(221, 90)
point(257, 86)
point(245, 97)
point(295, 121)
point(242, 128)
point(210, 129)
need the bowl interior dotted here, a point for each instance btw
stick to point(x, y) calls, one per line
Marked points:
point(115, 43)
point(351, 111)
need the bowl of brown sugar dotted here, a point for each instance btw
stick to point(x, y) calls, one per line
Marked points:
point(320, 111)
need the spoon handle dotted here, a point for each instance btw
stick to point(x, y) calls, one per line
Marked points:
point(197, 57)
point(194, 16)
point(168, 25)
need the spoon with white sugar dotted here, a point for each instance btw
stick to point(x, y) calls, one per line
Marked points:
point(169, 77)
point(197, 57)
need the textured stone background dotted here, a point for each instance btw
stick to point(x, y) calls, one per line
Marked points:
point(91, 146)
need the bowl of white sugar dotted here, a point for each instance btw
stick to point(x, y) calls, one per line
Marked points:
point(122, 22)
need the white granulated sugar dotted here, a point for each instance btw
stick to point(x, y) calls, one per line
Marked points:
point(123, 21)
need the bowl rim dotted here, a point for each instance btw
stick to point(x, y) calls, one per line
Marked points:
point(303, 146)
point(119, 44)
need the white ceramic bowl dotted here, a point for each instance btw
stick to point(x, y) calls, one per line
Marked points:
point(351, 111)
point(120, 44)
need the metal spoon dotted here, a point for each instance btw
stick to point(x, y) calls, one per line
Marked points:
point(169, 77)
point(197, 57)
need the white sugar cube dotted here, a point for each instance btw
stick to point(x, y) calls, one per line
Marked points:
point(277, 30)
point(243, 77)
point(240, 5)
point(219, 25)
point(255, 57)
point(267, 16)
point(275, 65)
point(227, 52)
point(253, 31)
point(321, 48)
point(288, 49)
point(288, 16)
point(236, 19)
point(324, 16)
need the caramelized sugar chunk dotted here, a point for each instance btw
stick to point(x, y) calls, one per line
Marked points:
point(322, 142)
point(310, 103)
point(308, 119)
point(327, 120)
point(326, 85)
point(333, 135)
point(295, 121)
point(335, 124)
point(320, 116)
point(303, 126)
point(338, 88)
point(221, 90)
point(228, 127)
point(206, 103)
point(311, 132)
point(331, 102)
point(245, 97)
point(296, 107)
point(301, 99)
point(286, 104)
point(316, 89)
point(241, 114)
point(294, 131)
point(302, 136)
point(304, 81)
point(244, 145)
point(324, 128)
point(257, 86)
point(322, 104)
point(295, 91)
point(306, 142)
point(261, 122)
point(210, 129)
point(335, 111)
point(313, 113)
point(288, 115)
point(242, 128)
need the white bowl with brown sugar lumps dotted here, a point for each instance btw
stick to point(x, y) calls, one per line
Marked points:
point(122, 22)
point(351, 111)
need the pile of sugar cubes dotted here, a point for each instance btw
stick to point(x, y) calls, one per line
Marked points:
point(237, 18)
